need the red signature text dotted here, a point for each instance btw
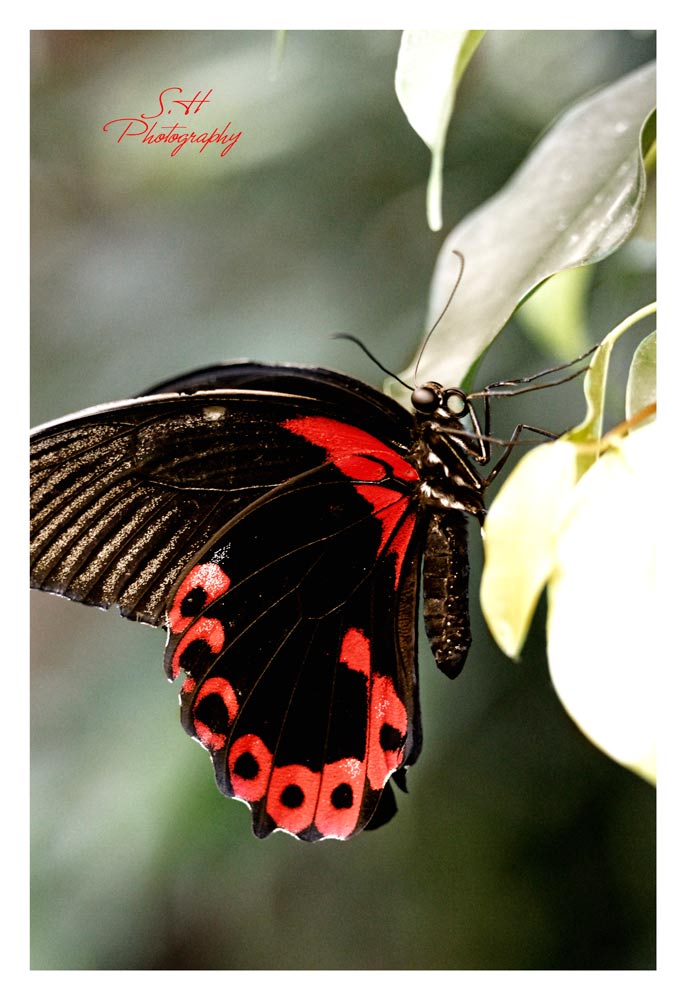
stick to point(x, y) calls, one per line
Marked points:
point(150, 130)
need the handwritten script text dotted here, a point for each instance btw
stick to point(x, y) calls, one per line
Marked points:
point(150, 130)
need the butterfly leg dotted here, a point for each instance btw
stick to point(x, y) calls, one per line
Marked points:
point(525, 381)
point(510, 445)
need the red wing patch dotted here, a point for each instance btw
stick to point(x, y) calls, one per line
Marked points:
point(387, 731)
point(364, 460)
point(250, 764)
point(340, 798)
point(343, 443)
point(221, 687)
point(331, 802)
point(208, 581)
point(292, 797)
point(203, 585)
point(386, 719)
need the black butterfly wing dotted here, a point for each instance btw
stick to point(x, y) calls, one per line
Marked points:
point(124, 495)
point(127, 502)
point(121, 499)
point(296, 629)
point(358, 403)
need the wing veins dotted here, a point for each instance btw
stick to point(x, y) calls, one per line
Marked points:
point(277, 744)
point(323, 539)
point(283, 597)
point(165, 505)
point(86, 525)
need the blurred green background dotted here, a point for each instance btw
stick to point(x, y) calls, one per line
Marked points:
point(519, 846)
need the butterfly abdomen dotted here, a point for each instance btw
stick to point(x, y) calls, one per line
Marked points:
point(446, 589)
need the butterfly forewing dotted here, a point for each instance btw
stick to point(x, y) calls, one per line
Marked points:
point(124, 496)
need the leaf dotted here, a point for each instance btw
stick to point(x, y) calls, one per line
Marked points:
point(574, 200)
point(649, 143)
point(567, 517)
point(429, 69)
point(520, 540)
point(590, 429)
point(555, 315)
point(602, 607)
point(521, 530)
point(641, 389)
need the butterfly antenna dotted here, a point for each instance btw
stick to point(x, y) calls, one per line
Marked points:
point(460, 257)
point(349, 336)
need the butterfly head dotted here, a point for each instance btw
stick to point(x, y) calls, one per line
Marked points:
point(431, 399)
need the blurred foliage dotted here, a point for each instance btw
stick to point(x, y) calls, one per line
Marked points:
point(520, 846)
point(430, 66)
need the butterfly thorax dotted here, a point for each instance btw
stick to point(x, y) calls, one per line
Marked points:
point(444, 453)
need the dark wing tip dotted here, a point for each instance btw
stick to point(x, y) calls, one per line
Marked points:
point(385, 810)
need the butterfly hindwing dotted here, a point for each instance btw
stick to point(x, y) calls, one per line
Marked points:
point(293, 630)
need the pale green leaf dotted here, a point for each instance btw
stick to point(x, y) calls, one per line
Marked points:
point(602, 607)
point(641, 388)
point(555, 314)
point(574, 200)
point(647, 224)
point(590, 429)
point(520, 540)
point(430, 66)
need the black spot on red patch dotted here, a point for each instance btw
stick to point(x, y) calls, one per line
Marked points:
point(193, 659)
point(292, 796)
point(193, 602)
point(390, 738)
point(212, 712)
point(342, 796)
point(246, 767)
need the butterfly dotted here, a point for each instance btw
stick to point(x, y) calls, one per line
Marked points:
point(274, 519)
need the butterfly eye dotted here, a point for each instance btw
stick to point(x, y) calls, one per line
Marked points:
point(425, 399)
point(456, 401)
